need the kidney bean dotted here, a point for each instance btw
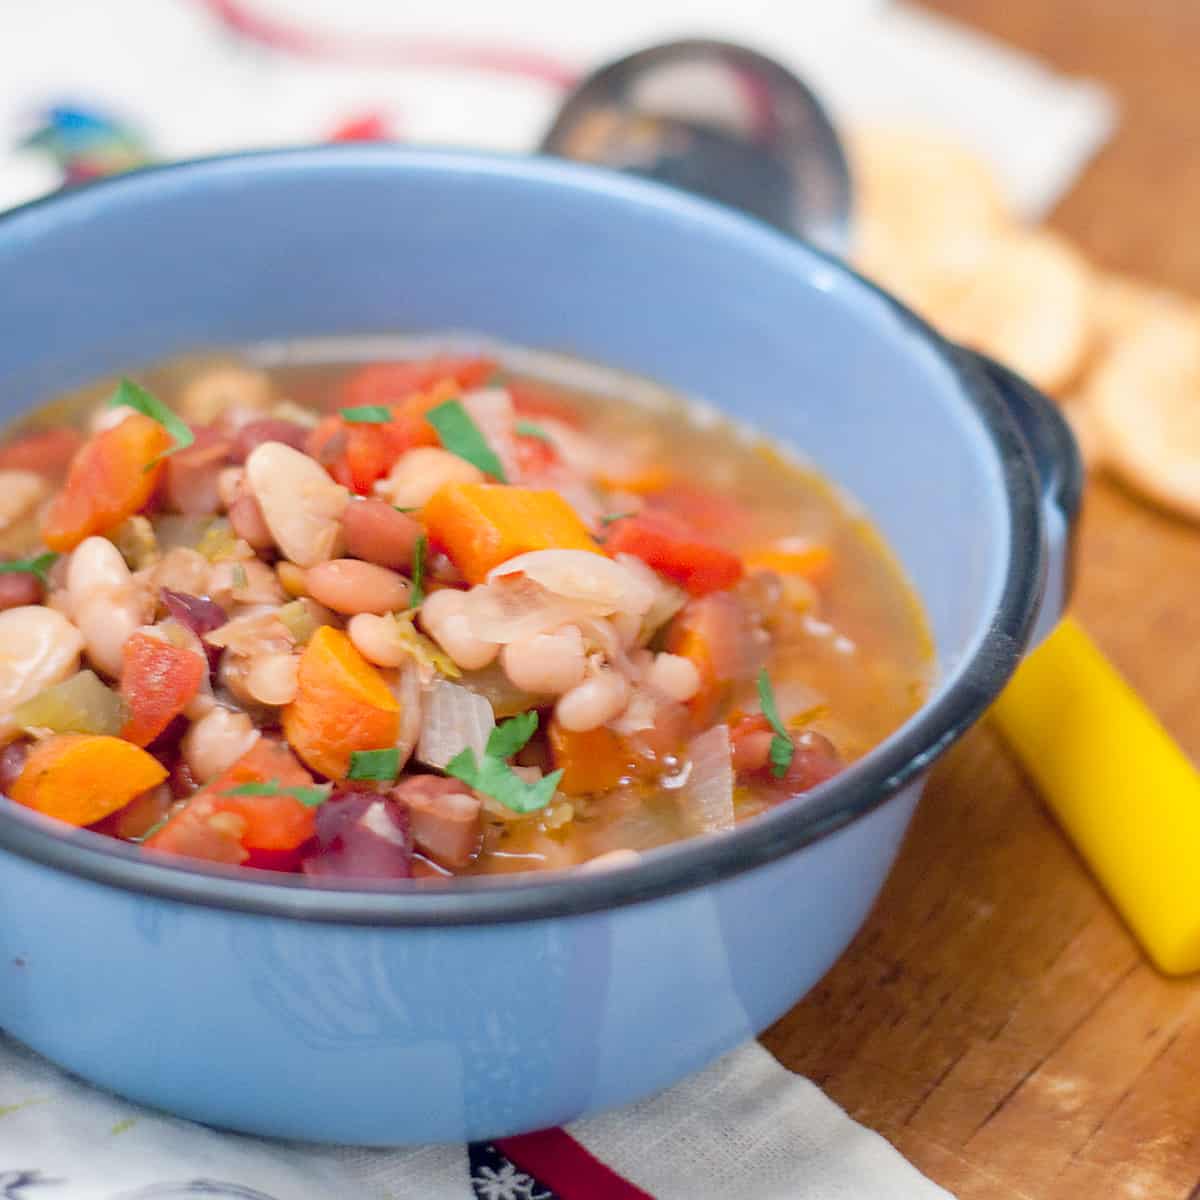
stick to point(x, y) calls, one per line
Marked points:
point(361, 834)
point(270, 429)
point(19, 590)
point(375, 531)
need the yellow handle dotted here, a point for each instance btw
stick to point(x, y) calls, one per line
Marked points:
point(1122, 789)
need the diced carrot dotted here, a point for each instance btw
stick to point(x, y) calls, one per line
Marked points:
point(342, 704)
point(593, 761)
point(481, 525)
point(266, 830)
point(157, 682)
point(47, 452)
point(811, 560)
point(110, 479)
point(674, 549)
point(80, 778)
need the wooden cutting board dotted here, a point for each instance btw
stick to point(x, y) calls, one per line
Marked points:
point(994, 1019)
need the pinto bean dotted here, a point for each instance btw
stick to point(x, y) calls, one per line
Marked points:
point(375, 531)
point(246, 517)
point(350, 586)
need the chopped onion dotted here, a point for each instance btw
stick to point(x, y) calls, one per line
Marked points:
point(667, 598)
point(706, 798)
point(454, 719)
point(492, 411)
point(407, 690)
point(515, 608)
point(605, 585)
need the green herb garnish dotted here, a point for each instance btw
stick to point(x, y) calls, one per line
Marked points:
point(380, 766)
point(533, 430)
point(782, 747)
point(460, 435)
point(609, 518)
point(30, 566)
point(310, 797)
point(128, 394)
point(414, 508)
point(367, 414)
point(417, 595)
point(494, 777)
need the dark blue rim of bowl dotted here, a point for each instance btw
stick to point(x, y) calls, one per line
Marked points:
point(685, 865)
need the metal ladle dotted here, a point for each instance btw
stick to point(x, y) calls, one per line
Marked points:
point(720, 120)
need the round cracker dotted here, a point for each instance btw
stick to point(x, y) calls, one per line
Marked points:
point(1145, 396)
point(1024, 302)
point(921, 199)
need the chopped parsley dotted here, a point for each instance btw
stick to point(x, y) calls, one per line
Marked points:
point(380, 766)
point(460, 435)
point(533, 430)
point(609, 518)
point(417, 595)
point(494, 777)
point(310, 797)
point(30, 566)
point(782, 746)
point(129, 395)
point(367, 414)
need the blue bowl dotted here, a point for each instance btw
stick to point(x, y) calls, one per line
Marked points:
point(492, 1007)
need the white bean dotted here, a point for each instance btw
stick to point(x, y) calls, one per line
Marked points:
point(19, 492)
point(273, 678)
point(38, 647)
point(106, 603)
point(675, 676)
point(376, 639)
point(593, 703)
point(228, 386)
point(443, 618)
point(419, 473)
point(215, 742)
point(301, 505)
point(96, 566)
point(548, 663)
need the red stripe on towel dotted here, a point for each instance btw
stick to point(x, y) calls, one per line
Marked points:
point(557, 1161)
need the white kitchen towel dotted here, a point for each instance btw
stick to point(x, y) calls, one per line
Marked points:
point(162, 79)
point(745, 1127)
point(199, 76)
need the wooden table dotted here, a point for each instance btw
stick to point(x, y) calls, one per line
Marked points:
point(994, 1019)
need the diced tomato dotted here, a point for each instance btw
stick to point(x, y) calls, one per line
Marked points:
point(157, 682)
point(48, 452)
point(669, 545)
point(534, 454)
point(717, 514)
point(111, 478)
point(532, 401)
point(389, 383)
point(252, 830)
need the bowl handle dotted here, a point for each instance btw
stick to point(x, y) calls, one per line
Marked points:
point(1060, 475)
